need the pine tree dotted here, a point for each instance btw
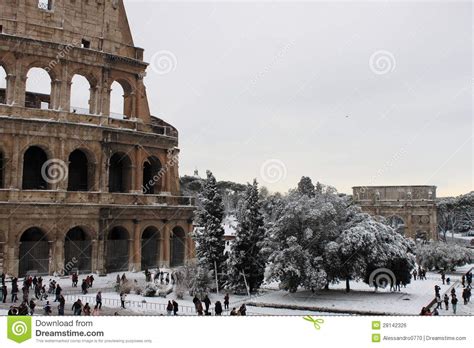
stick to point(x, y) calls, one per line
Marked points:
point(246, 256)
point(306, 187)
point(210, 243)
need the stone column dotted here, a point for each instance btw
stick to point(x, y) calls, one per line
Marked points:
point(94, 256)
point(57, 254)
point(13, 251)
point(10, 89)
point(93, 100)
point(137, 252)
point(165, 247)
point(137, 183)
point(105, 101)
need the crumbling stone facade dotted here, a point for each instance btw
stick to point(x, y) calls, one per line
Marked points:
point(83, 190)
point(411, 210)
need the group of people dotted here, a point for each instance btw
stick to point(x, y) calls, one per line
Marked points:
point(466, 281)
point(160, 276)
point(218, 308)
point(86, 282)
point(420, 273)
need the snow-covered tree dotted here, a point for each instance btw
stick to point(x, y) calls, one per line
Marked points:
point(365, 246)
point(442, 256)
point(315, 241)
point(246, 253)
point(209, 237)
point(298, 236)
point(306, 187)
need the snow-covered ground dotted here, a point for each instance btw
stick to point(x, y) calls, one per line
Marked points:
point(361, 300)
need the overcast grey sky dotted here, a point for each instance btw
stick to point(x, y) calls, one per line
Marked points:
point(361, 93)
point(348, 93)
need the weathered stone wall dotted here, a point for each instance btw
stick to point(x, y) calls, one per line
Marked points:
point(415, 205)
point(53, 39)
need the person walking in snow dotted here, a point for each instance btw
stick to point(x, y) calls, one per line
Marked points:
point(446, 301)
point(454, 302)
point(414, 274)
point(175, 307)
point(122, 299)
point(443, 276)
point(218, 308)
point(62, 305)
point(207, 303)
point(169, 308)
point(439, 301)
point(98, 300)
point(32, 307)
point(226, 302)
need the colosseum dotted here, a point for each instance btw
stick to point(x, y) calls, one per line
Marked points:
point(83, 189)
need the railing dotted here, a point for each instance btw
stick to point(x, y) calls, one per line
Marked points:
point(70, 197)
point(148, 306)
point(83, 116)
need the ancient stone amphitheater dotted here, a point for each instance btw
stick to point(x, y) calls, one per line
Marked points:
point(82, 188)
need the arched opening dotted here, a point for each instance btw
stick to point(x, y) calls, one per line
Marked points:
point(34, 252)
point(33, 172)
point(178, 247)
point(397, 223)
point(152, 176)
point(2, 170)
point(3, 85)
point(117, 250)
point(38, 89)
point(81, 95)
point(150, 248)
point(77, 251)
point(120, 172)
point(79, 172)
point(121, 100)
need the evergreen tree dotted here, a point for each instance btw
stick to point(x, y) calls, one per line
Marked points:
point(246, 256)
point(306, 187)
point(210, 243)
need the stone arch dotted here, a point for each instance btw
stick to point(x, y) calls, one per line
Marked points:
point(120, 173)
point(123, 105)
point(77, 250)
point(117, 246)
point(150, 247)
point(78, 82)
point(34, 252)
point(178, 247)
point(3, 84)
point(397, 223)
point(81, 170)
point(152, 182)
point(34, 159)
point(37, 95)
